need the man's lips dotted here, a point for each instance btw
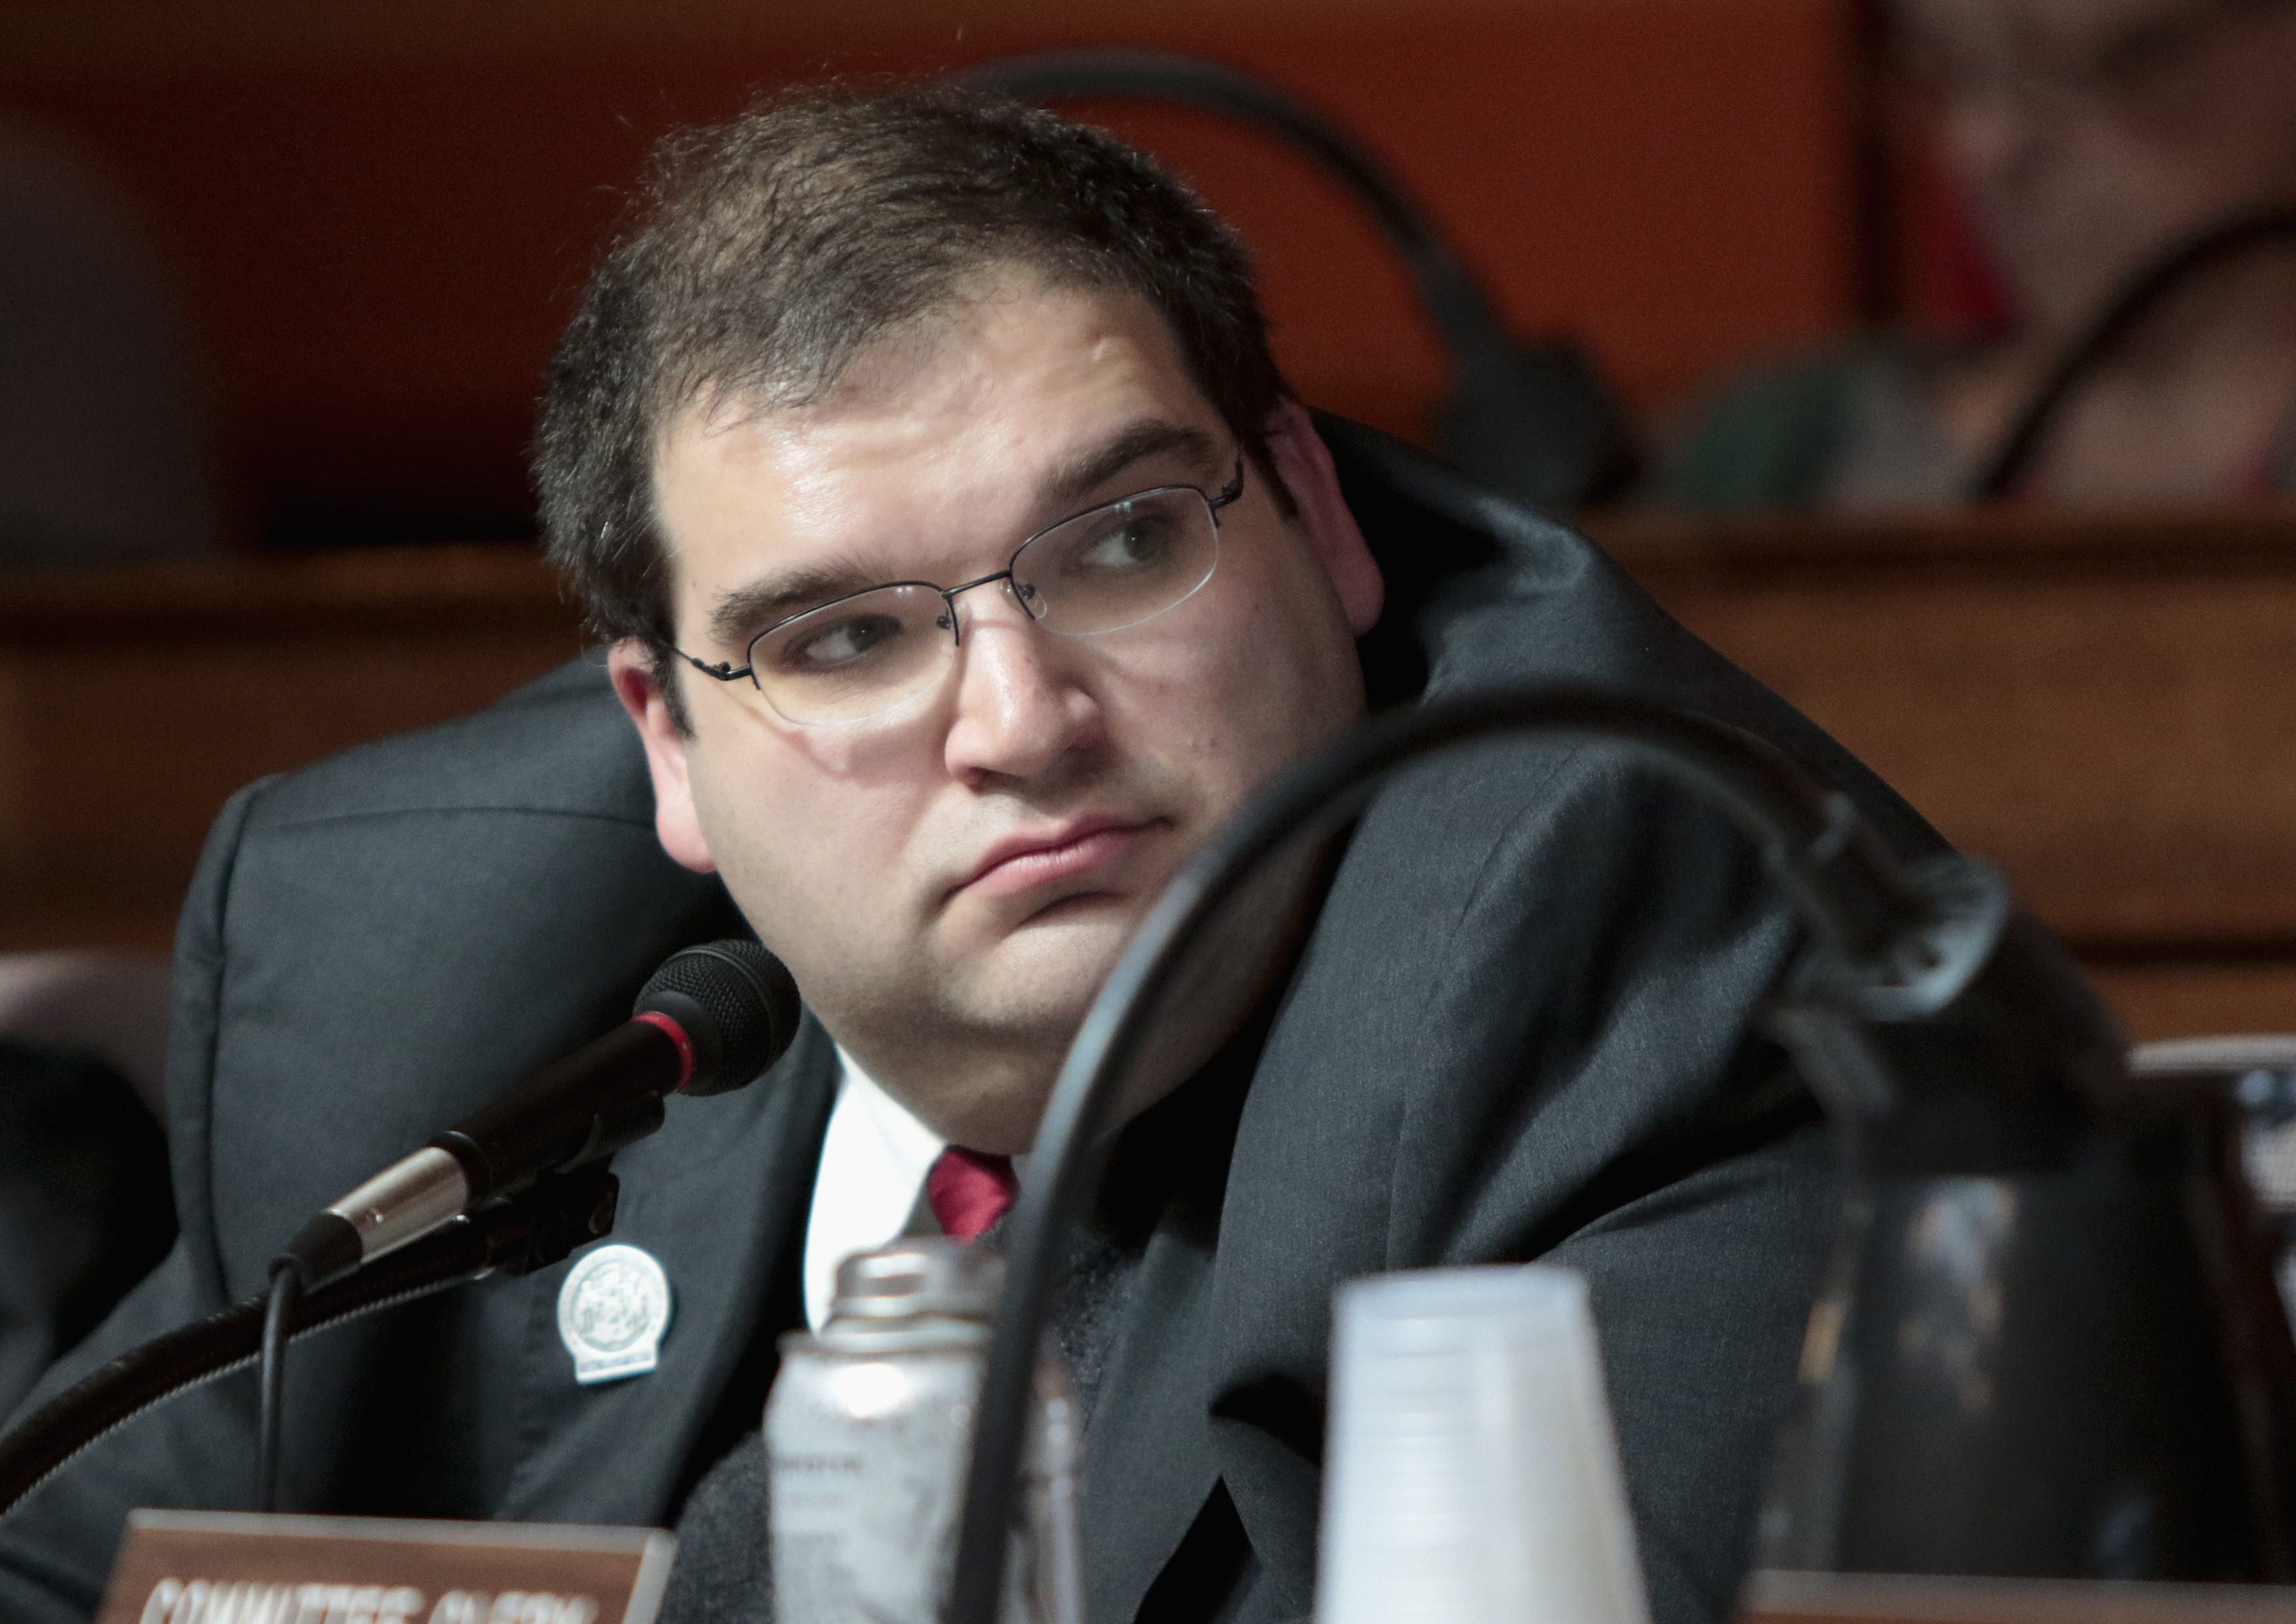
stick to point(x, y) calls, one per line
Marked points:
point(1024, 862)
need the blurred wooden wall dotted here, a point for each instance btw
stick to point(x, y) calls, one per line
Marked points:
point(2101, 705)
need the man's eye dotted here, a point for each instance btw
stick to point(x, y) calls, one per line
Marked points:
point(840, 643)
point(1134, 541)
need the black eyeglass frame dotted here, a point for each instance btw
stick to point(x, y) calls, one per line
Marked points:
point(725, 670)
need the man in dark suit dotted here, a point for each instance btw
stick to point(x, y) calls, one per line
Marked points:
point(964, 563)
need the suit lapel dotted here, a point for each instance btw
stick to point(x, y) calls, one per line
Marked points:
point(717, 1196)
point(1148, 1458)
point(1149, 1448)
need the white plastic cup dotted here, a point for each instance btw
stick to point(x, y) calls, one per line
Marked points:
point(1471, 1472)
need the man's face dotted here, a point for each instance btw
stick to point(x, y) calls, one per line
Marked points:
point(951, 882)
point(2091, 133)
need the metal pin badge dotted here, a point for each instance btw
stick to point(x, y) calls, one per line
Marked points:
point(611, 1313)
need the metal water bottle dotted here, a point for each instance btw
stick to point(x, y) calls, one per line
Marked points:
point(868, 1435)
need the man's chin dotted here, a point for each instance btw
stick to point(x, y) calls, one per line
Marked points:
point(1044, 974)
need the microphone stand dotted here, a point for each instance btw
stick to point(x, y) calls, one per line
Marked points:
point(1534, 419)
point(527, 1232)
point(1950, 1038)
point(524, 1179)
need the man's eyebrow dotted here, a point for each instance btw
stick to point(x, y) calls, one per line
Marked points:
point(1081, 476)
point(743, 613)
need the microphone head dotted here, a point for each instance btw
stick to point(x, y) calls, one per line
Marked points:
point(736, 1005)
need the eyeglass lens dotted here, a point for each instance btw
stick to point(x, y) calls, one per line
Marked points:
point(1101, 571)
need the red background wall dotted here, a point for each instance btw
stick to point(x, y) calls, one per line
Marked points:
point(380, 214)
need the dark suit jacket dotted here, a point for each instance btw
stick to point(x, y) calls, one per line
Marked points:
point(85, 1206)
point(1522, 1027)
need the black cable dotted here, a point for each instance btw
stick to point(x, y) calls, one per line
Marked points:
point(1842, 881)
point(2135, 300)
point(286, 1291)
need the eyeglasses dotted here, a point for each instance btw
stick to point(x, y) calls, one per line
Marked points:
point(867, 653)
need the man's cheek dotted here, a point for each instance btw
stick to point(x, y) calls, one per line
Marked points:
point(762, 860)
point(1166, 694)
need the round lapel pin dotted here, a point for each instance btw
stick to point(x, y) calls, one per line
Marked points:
point(611, 1313)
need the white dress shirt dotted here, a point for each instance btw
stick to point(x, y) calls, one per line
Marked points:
point(870, 1184)
point(874, 1162)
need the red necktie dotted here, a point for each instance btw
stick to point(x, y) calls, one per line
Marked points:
point(969, 1191)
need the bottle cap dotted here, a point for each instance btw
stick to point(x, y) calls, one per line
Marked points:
point(919, 1275)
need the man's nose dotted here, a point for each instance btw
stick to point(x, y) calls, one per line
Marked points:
point(1019, 707)
point(1997, 137)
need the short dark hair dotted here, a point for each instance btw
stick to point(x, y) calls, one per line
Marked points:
point(767, 253)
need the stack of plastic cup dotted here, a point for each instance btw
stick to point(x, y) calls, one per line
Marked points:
point(1471, 1471)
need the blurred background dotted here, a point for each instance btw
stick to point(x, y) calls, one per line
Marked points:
point(1936, 360)
point(1933, 359)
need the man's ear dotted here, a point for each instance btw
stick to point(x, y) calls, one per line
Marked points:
point(1303, 463)
point(674, 821)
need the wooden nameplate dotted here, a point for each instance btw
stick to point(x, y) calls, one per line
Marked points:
point(182, 1567)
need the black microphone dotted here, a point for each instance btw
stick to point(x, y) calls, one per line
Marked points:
point(710, 1021)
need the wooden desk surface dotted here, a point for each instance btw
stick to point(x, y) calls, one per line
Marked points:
point(2104, 705)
